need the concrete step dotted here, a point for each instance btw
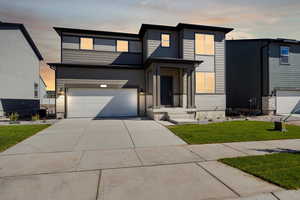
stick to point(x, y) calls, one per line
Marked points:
point(181, 116)
point(183, 121)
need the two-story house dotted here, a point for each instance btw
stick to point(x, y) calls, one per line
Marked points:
point(19, 71)
point(263, 75)
point(164, 72)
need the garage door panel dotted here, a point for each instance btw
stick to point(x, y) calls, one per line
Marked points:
point(288, 102)
point(102, 102)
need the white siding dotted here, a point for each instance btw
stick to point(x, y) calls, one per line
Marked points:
point(19, 66)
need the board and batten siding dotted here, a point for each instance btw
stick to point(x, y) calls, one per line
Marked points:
point(284, 76)
point(104, 52)
point(188, 52)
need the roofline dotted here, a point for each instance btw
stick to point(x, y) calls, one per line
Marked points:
point(59, 30)
point(278, 40)
point(26, 35)
point(54, 65)
point(143, 29)
point(171, 60)
point(43, 80)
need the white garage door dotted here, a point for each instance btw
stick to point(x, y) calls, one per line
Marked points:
point(288, 101)
point(90, 102)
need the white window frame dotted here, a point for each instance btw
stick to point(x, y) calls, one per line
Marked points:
point(161, 40)
point(284, 55)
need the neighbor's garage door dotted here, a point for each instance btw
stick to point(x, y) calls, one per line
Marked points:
point(288, 101)
point(90, 102)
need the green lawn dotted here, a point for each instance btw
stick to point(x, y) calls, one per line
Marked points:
point(233, 131)
point(11, 135)
point(282, 169)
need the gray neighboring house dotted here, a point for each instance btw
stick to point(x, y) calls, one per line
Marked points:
point(163, 72)
point(19, 71)
point(263, 75)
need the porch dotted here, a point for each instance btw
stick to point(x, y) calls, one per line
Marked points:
point(170, 88)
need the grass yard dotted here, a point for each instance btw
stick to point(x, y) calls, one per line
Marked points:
point(11, 135)
point(282, 169)
point(232, 131)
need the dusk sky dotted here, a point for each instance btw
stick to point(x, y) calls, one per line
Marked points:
point(250, 19)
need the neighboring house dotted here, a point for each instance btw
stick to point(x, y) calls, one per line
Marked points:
point(164, 72)
point(48, 102)
point(43, 91)
point(19, 71)
point(263, 75)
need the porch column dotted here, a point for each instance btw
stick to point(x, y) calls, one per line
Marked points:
point(193, 88)
point(156, 86)
point(189, 85)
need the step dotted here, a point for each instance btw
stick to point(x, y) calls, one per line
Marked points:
point(183, 121)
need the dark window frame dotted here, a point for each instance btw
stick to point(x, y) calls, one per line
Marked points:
point(86, 49)
point(117, 46)
point(286, 56)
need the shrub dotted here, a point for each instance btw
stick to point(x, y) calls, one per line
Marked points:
point(35, 117)
point(14, 117)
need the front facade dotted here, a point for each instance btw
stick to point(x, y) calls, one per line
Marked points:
point(19, 71)
point(263, 75)
point(164, 72)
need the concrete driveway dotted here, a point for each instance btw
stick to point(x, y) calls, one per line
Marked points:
point(83, 159)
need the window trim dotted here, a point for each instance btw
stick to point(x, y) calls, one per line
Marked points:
point(36, 90)
point(87, 49)
point(117, 46)
point(195, 44)
point(161, 34)
point(281, 55)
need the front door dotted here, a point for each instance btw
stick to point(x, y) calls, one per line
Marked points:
point(166, 90)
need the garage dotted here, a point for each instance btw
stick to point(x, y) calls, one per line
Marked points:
point(288, 101)
point(96, 102)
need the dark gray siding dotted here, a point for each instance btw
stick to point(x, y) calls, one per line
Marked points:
point(153, 44)
point(87, 75)
point(100, 57)
point(24, 107)
point(104, 51)
point(286, 76)
point(211, 63)
point(243, 73)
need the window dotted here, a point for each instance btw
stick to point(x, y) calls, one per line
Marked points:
point(36, 90)
point(86, 43)
point(204, 44)
point(122, 46)
point(165, 40)
point(205, 82)
point(284, 55)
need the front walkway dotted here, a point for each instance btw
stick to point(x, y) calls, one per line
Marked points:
point(129, 159)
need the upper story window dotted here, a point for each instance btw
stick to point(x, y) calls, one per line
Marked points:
point(122, 46)
point(165, 40)
point(204, 44)
point(36, 90)
point(284, 54)
point(86, 43)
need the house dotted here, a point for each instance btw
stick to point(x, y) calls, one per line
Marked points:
point(48, 102)
point(164, 72)
point(263, 75)
point(19, 71)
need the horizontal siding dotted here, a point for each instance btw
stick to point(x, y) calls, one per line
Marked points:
point(284, 75)
point(210, 102)
point(24, 107)
point(208, 64)
point(100, 57)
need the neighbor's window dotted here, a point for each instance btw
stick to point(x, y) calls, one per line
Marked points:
point(165, 40)
point(284, 54)
point(87, 43)
point(122, 46)
point(36, 90)
point(204, 44)
point(205, 82)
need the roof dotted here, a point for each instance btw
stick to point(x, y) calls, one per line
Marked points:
point(171, 60)
point(54, 65)
point(278, 40)
point(43, 81)
point(26, 35)
point(143, 29)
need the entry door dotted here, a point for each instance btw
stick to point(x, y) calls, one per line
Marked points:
point(166, 90)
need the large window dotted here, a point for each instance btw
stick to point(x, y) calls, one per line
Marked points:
point(205, 82)
point(284, 55)
point(122, 46)
point(86, 43)
point(165, 40)
point(204, 44)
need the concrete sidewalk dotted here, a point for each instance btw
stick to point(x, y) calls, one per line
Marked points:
point(80, 160)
